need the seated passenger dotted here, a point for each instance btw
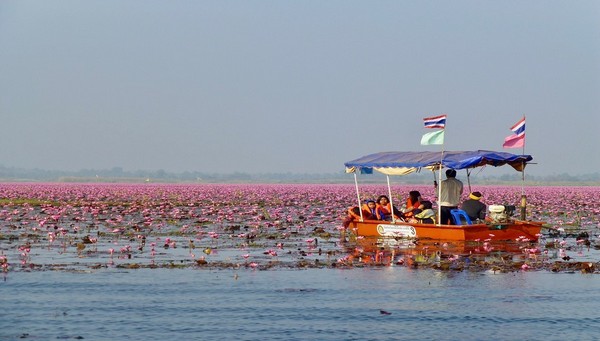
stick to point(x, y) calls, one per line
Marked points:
point(368, 212)
point(371, 208)
point(384, 209)
point(427, 214)
point(474, 208)
point(412, 204)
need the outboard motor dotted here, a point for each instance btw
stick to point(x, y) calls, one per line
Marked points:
point(510, 210)
point(498, 214)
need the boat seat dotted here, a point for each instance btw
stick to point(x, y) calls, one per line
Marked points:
point(458, 216)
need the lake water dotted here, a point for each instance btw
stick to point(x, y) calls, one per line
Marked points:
point(116, 262)
point(374, 303)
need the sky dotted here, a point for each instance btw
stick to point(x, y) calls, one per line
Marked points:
point(293, 86)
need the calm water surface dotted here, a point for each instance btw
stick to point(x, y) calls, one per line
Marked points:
point(267, 263)
point(313, 304)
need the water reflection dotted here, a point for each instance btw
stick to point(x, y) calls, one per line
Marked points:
point(494, 256)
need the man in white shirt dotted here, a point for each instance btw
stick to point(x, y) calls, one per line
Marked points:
point(451, 191)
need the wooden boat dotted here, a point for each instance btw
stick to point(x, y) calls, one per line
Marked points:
point(511, 230)
point(402, 163)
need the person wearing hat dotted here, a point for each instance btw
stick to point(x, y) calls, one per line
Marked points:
point(450, 191)
point(474, 207)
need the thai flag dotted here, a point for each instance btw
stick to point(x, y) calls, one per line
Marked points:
point(519, 127)
point(516, 140)
point(435, 122)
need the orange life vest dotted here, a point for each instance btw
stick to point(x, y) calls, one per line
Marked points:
point(384, 212)
point(366, 213)
point(414, 206)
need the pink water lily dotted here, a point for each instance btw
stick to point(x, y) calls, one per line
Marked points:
point(306, 219)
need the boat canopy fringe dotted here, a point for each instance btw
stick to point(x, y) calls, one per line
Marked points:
point(403, 163)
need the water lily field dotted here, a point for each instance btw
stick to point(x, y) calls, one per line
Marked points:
point(89, 227)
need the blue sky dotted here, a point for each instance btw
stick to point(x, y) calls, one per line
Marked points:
point(293, 86)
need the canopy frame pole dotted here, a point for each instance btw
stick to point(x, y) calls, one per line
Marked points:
point(439, 217)
point(390, 195)
point(523, 196)
point(358, 196)
point(469, 179)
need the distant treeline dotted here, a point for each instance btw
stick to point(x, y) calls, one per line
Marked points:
point(118, 174)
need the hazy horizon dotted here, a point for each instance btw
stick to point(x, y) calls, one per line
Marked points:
point(300, 87)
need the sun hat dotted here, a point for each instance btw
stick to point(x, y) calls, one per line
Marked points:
point(475, 196)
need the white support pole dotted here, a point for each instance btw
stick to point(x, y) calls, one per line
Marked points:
point(390, 195)
point(468, 179)
point(358, 196)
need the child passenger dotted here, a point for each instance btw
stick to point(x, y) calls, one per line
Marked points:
point(368, 212)
point(427, 215)
point(371, 208)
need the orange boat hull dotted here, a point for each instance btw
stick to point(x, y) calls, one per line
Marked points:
point(505, 231)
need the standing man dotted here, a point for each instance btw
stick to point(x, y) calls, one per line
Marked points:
point(451, 190)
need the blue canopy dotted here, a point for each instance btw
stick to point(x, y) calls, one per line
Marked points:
point(400, 163)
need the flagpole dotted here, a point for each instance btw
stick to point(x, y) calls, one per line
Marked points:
point(440, 182)
point(514, 141)
point(434, 138)
point(440, 177)
point(523, 196)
